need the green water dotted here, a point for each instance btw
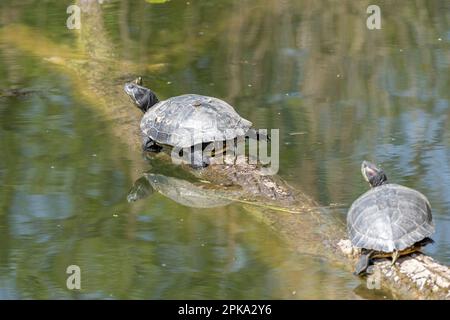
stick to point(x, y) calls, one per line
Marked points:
point(338, 92)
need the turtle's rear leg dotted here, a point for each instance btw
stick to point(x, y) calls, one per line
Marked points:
point(149, 145)
point(363, 263)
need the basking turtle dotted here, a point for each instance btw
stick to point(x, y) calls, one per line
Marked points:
point(389, 220)
point(180, 191)
point(185, 121)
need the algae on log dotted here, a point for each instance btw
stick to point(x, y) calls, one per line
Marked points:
point(292, 214)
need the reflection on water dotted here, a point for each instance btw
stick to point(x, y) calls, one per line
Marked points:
point(338, 92)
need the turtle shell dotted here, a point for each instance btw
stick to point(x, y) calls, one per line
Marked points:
point(389, 217)
point(185, 192)
point(190, 119)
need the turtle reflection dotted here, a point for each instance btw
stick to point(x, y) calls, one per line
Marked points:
point(179, 190)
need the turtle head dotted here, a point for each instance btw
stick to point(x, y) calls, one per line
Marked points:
point(374, 176)
point(142, 97)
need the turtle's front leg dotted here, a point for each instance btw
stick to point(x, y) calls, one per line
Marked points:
point(149, 145)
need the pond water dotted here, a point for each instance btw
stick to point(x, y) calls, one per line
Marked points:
point(339, 93)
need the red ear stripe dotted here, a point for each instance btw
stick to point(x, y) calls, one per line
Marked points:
point(371, 172)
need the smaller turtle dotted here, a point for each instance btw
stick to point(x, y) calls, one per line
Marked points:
point(389, 220)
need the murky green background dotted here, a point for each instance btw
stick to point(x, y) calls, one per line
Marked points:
point(338, 92)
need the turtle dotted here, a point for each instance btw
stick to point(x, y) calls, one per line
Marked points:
point(186, 121)
point(389, 220)
point(179, 190)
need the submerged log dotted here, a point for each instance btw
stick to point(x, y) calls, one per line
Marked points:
point(289, 212)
